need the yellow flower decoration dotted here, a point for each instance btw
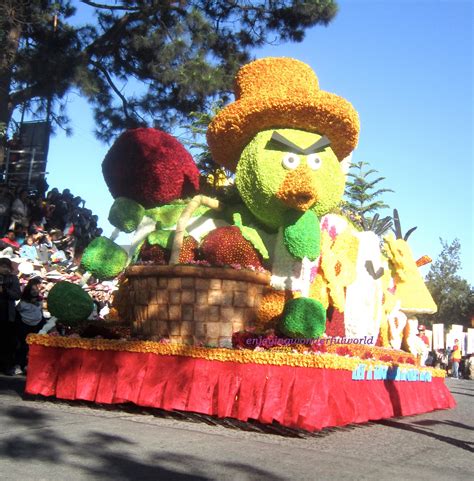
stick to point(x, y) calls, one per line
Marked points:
point(244, 356)
point(411, 290)
point(337, 268)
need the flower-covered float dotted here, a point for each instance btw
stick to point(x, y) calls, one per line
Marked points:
point(274, 307)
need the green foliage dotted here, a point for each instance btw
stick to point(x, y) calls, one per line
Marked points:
point(452, 294)
point(251, 235)
point(126, 214)
point(69, 303)
point(302, 235)
point(104, 258)
point(163, 238)
point(39, 58)
point(183, 54)
point(362, 199)
point(169, 214)
point(303, 318)
point(215, 180)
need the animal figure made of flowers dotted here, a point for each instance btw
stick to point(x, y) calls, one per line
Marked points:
point(289, 144)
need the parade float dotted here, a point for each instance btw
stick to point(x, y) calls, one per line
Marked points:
point(272, 307)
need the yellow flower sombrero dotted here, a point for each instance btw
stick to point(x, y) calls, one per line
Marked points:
point(280, 93)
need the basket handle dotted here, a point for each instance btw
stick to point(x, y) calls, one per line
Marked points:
point(196, 202)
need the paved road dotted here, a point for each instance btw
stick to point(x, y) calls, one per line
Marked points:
point(51, 440)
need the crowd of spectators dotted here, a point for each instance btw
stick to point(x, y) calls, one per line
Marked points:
point(50, 229)
point(452, 360)
point(42, 238)
point(24, 310)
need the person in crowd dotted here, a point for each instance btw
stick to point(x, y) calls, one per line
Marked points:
point(9, 293)
point(58, 216)
point(9, 245)
point(60, 243)
point(45, 247)
point(441, 359)
point(431, 360)
point(470, 367)
point(29, 249)
point(422, 334)
point(456, 356)
point(29, 320)
point(19, 210)
point(21, 232)
point(444, 360)
point(36, 211)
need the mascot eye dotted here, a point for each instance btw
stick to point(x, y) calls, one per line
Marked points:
point(314, 161)
point(290, 161)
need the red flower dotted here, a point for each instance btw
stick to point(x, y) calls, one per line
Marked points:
point(154, 253)
point(318, 347)
point(239, 340)
point(151, 167)
point(343, 351)
point(227, 246)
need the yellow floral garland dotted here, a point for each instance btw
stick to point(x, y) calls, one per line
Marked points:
point(320, 361)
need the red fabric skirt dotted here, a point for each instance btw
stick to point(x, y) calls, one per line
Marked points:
point(298, 397)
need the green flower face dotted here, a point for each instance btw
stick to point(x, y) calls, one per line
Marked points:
point(287, 169)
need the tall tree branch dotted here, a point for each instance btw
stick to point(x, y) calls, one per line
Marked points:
point(110, 7)
point(119, 94)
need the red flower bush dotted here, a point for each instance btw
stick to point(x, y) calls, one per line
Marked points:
point(151, 167)
point(154, 253)
point(227, 246)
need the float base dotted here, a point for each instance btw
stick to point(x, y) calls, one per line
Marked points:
point(298, 397)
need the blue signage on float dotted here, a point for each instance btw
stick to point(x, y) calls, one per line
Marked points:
point(365, 372)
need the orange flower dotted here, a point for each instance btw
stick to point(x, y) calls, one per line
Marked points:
point(280, 93)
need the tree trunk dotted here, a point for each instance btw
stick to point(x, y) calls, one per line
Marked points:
point(10, 42)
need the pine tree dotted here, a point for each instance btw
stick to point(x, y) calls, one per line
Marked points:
point(362, 201)
point(452, 294)
point(38, 56)
point(139, 62)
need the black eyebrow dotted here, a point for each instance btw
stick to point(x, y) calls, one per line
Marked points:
point(283, 141)
point(320, 144)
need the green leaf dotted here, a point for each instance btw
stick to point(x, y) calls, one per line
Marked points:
point(169, 214)
point(250, 234)
point(163, 238)
point(302, 235)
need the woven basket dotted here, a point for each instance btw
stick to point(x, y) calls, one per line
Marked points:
point(192, 304)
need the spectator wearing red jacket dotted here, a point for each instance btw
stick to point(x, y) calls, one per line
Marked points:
point(9, 240)
point(422, 335)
